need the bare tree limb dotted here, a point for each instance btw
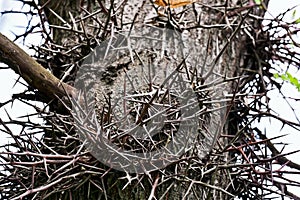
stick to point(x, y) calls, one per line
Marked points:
point(31, 71)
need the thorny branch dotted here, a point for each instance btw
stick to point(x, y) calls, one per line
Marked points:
point(58, 163)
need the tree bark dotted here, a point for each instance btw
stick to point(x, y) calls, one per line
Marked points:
point(217, 29)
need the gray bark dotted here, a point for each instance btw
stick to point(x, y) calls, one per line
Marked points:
point(210, 44)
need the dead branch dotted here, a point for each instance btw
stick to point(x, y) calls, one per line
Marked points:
point(31, 71)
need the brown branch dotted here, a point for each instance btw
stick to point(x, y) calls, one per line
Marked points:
point(281, 159)
point(32, 72)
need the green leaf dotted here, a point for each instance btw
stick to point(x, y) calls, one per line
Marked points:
point(294, 81)
point(294, 13)
point(258, 2)
point(297, 21)
point(289, 78)
point(289, 75)
point(284, 77)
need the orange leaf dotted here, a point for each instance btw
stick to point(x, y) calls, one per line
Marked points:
point(173, 3)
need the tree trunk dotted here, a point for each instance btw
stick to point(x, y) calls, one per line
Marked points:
point(209, 38)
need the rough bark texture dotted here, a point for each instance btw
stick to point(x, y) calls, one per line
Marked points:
point(216, 57)
point(217, 30)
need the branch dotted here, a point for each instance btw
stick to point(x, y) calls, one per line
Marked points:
point(281, 159)
point(32, 72)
